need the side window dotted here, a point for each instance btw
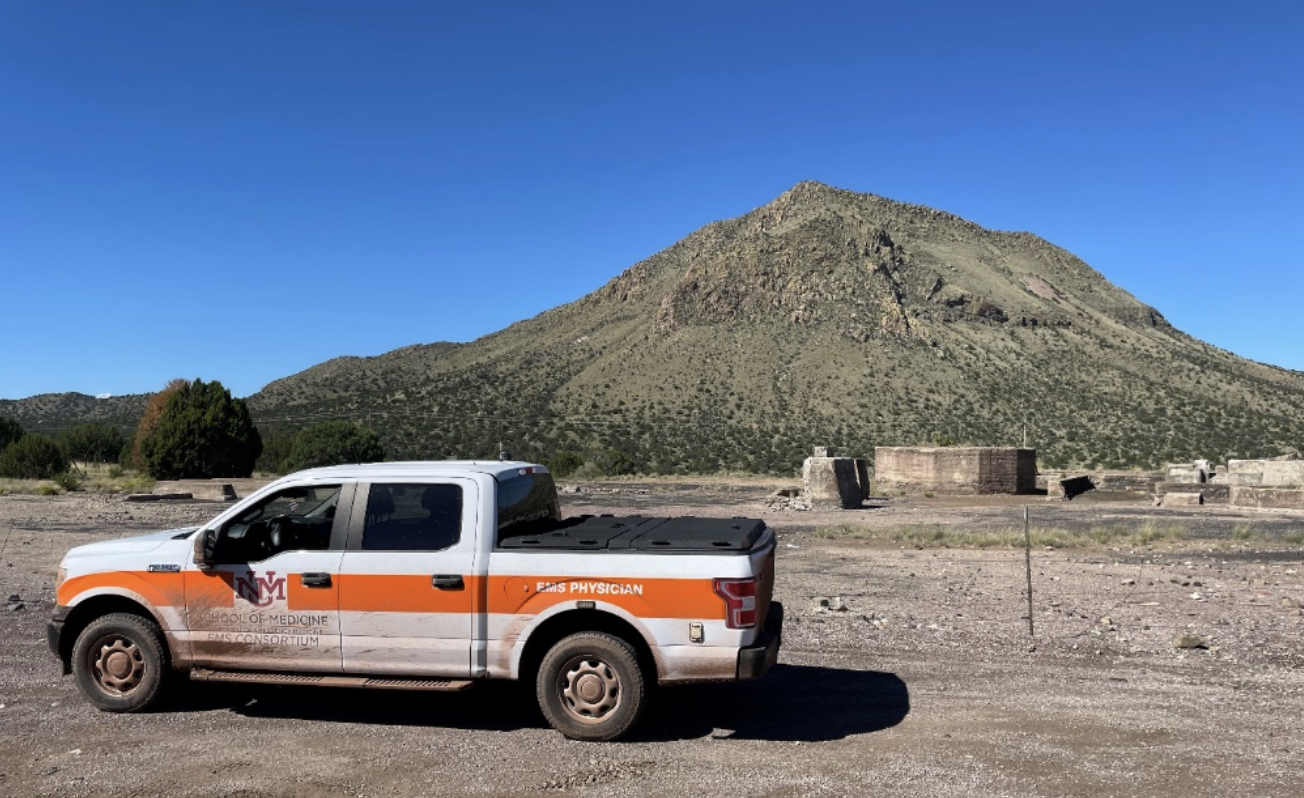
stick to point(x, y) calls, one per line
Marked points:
point(294, 519)
point(403, 517)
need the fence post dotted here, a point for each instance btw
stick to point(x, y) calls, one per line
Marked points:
point(1027, 566)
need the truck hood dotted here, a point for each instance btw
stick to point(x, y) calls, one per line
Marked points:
point(132, 545)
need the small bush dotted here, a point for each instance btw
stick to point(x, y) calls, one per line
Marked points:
point(48, 490)
point(68, 481)
point(33, 457)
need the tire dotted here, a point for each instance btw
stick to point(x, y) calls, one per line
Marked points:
point(591, 687)
point(121, 662)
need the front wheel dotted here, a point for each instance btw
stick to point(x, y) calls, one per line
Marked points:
point(121, 662)
point(591, 687)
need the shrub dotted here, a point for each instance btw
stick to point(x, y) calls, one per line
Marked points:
point(332, 443)
point(202, 433)
point(93, 442)
point(68, 480)
point(10, 431)
point(563, 464)
point(32, 457)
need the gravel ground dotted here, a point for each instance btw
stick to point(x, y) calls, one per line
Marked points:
point(904, 670)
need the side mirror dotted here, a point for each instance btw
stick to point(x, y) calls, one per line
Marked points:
point(205, 548)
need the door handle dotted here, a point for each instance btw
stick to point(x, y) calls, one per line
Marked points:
point(315, 580)
point(448, 581)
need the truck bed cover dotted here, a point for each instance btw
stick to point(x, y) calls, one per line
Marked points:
point(636, 533)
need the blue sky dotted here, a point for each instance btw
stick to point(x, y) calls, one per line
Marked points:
point(240, 190)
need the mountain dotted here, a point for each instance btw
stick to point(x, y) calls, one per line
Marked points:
point(825, 317)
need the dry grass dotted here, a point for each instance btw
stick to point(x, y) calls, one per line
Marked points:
point(934, 536)
point(91, 477)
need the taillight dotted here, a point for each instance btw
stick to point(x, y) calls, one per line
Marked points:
point(739, 602)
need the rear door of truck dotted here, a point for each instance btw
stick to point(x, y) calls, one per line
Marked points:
point(406, 581)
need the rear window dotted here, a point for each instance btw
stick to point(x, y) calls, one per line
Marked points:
point(526, 497)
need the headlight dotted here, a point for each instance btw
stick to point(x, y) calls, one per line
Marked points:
point(60, 577)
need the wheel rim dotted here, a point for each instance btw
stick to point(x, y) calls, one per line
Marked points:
point(590, 689)
point(118, 664)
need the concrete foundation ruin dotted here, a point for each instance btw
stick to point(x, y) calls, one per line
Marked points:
point(955, 470)
point(1266, 473)
point(1276, 483)
point(834, 483)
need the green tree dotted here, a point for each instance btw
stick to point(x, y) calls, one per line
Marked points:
point(331, 443)
point(10, 431)
point(276, 452)
point(202, 433)
point(149, 422)
point(33, 457)
point(93, 442)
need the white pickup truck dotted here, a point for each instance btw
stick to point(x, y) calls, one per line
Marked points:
point(424, 576)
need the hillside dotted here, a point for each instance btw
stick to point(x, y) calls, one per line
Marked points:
point(827, 317)
point(53, 412)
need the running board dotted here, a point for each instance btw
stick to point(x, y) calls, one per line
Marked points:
point(331, 680)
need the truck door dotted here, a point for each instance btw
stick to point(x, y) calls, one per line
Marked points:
point(270, 600)
point(406, 583)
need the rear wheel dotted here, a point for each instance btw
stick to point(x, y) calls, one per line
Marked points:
point(121, 662)
point(591, 686)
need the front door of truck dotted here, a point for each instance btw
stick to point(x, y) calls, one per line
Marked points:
point(270, 598)
point(406, 584)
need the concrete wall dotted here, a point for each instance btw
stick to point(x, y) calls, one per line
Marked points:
point(956, 470)
point(1211, 493)
point(1136, 481)
point(1274, 498)
point(1266, 473)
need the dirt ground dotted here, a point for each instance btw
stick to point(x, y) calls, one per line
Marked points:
point(905, 671)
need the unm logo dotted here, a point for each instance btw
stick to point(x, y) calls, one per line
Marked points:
point(260, 591)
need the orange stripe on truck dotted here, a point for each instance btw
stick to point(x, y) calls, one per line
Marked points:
point(509, 595)
point(161, 588)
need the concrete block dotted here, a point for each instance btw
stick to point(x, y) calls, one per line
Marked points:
point(1185, 474)
point(1267, 498)
point(1210, 492)
point(1283, 474)
point(955, 470)
point(1274, 473)
point(830, 483)
point(1192, 499)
